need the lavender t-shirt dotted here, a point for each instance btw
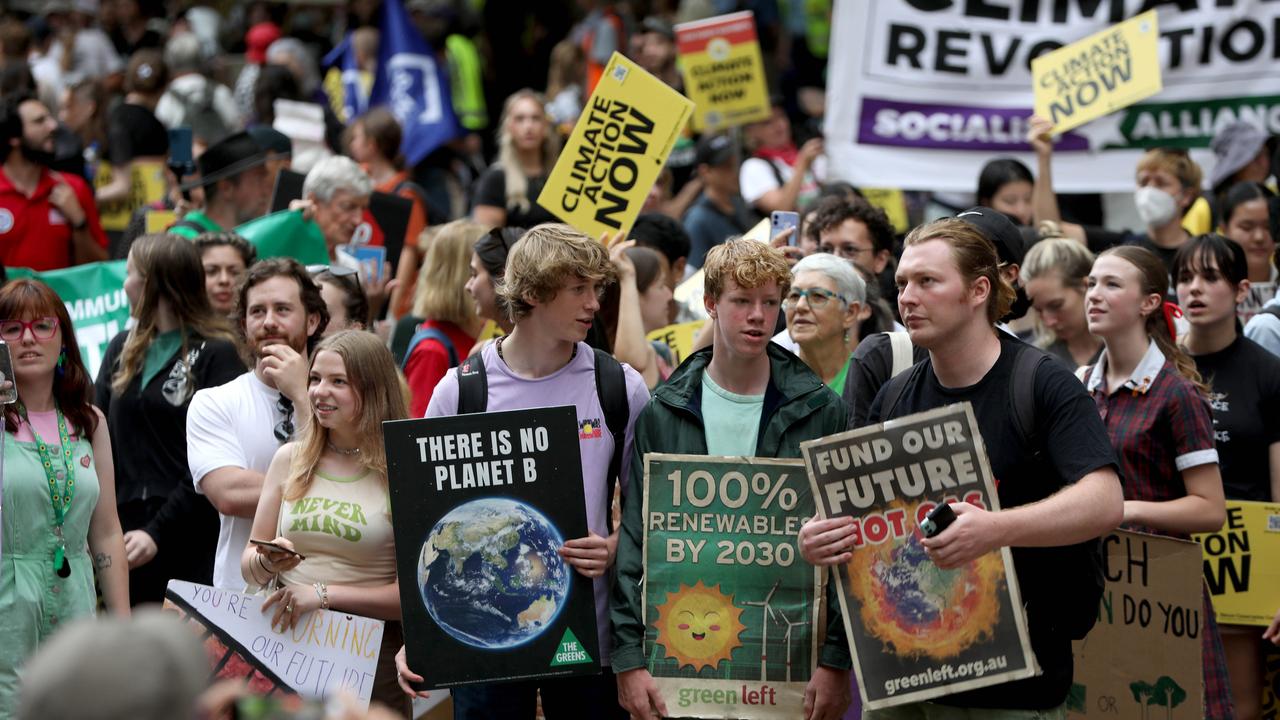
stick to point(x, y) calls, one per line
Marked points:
point(574, 384)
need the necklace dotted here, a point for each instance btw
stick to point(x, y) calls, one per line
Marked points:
point(497, 344)
point(61, 501)
point(341, 451)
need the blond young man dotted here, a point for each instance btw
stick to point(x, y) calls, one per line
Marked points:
point(742, 396)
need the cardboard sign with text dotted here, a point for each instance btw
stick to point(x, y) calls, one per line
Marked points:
point(1098, 75)
point(325, 652)
point(616, 151)
point(1144, 652)
point(1242, 564)
point(723, 71)
point(678, 337)
point(917, 631)
point(733, 614)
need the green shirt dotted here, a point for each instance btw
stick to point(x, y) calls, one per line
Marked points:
point(195, 217)
point(731, 421)
point(161, 349)
point(837, 382)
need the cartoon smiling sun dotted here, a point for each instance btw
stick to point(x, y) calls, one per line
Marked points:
point(699, 626)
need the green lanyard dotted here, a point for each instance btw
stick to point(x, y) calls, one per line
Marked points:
point(60, 501)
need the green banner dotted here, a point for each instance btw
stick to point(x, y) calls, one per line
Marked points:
point(286, 234)
point(94, 295)
point(1193, 123)
point(732, 612)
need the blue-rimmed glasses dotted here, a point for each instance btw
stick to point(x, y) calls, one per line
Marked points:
point(817, 298)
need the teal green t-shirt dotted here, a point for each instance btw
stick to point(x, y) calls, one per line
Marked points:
point(159, 352)
point(731, 421)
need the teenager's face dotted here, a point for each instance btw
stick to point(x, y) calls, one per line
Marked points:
point(335, 298)
point(851, 240)
point(745, 318)
point(333, 400)
point(934, 299)
point(361, 149)
point(1115, 302)
point(274, 315)
point(34, 358)
point(814, 312)
point(223, 268)
point(1014, 199)
point(527, 124)
point(1205, 295)
point(1162, 179)
point(480, 287)
point(654, 304)
point(1061, 307)
point(133, 282)
point(568, 316)
point(1250, 226)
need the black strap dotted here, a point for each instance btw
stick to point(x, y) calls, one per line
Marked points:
point(473, 386)
point(894, 388)
point(431, 334)
point(1273, 311)
point(611, 389)
point(1022, 394)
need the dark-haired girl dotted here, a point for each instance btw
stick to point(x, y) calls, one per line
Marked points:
point(59, 520)
point(1153, 403)
point(1006, 185)
point(1244, 383)
point(1246, 219)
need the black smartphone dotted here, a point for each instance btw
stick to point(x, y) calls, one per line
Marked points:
point(938, 519)
point(277, 548)
point(180, 154)
point(8, 388)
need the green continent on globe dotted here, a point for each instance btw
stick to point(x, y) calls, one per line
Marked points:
point(491, 537)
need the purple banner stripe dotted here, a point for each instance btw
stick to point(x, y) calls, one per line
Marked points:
point(950, 127)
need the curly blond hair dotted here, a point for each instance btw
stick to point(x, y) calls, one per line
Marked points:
point(750, 264)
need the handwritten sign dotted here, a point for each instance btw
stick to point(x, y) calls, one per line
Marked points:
point(1102, 73)
point(723, 71)
point(1242, 563)
point(325, 652)
point(616, 151)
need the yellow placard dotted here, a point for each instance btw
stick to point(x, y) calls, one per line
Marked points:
point(489, 332)
point(723, 71)
point(1242, 563)
point(616, 151)
point(892, 202)
point(146, 185)
point(678, 337)
point(157, 221)
point(1102, 73)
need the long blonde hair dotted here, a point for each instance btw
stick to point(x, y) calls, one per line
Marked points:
point(371, 371)
point(172, 271)
point(1064, 259)
point(516, 181)
point(441, 293)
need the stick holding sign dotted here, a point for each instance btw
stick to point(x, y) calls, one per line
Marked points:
point(616, 151)
point(1099, 74)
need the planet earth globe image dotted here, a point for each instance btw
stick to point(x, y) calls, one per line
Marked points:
point(490, 575)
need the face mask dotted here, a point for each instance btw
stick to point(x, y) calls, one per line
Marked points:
point(1155, 206)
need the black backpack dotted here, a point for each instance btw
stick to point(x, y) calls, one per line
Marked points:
point(611, 389)
point(1078, 600)
point(201, 115)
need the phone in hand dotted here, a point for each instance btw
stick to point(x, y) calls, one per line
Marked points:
point(277, 548)
point(938, 519)
point(8, 394)
point(780, 220)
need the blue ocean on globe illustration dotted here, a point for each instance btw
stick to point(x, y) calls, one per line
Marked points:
point(490, 575)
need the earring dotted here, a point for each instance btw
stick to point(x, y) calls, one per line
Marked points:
point(60, 367)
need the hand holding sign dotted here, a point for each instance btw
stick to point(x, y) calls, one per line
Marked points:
point(827, 542)
point(592, 555)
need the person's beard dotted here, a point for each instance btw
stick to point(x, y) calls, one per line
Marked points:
point(35, 155)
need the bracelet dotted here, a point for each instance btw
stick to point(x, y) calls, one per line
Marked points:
point(269, 571)
point(254, 574)
point(322, 592)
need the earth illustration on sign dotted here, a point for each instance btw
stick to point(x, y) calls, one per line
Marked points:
point(490, 575)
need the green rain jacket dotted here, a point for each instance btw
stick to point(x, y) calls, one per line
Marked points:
point(797, 407)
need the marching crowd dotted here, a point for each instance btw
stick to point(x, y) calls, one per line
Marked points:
point(232, 435)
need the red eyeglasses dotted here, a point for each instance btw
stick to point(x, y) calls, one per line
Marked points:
point(42, 328)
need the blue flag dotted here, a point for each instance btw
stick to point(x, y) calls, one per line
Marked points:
point(413, 85)
point(348, 92)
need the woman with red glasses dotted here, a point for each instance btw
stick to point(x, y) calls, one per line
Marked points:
point(59, 521)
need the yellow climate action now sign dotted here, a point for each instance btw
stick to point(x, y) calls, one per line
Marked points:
point(1100, 74)
point(616, 151)
point(723, 71)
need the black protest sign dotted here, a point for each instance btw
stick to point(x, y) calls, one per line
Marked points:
point(482, 504)
point(917, 631)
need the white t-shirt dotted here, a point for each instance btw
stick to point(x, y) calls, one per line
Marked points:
point(755, 178)
point(232, 425)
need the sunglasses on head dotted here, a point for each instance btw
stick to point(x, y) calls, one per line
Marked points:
point(339, 271)
point(284, 429)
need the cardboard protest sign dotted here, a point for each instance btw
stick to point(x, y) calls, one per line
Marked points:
point(1102, 73)
point(146, 185)
point(616, 151)
point(732, 612)
point(1242, 564)
point(482, 504)
point(385, 220)
point(95, 300)
point(678, 337)
point(1145, 650)
point(326, 652)
point(917, 631)
point(723, 71)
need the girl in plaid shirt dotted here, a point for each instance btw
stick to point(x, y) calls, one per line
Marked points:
point(1154, 405)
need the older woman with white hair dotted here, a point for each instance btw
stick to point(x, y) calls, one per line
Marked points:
point(335, 195)
point(823, 308)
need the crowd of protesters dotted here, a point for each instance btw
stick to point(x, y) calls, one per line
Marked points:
point(246, 393)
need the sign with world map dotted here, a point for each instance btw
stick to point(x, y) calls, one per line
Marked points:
point(482, 505)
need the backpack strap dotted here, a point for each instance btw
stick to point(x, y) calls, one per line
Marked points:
point(431, 334)
point(894, 388)
point(473, 386)
point(1272, 310)
point(611, 389)
point(900, 342)
point(1022, 394)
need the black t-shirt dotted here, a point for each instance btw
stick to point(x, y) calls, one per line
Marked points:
point(1074, 443)
point(491, 189)
point(871, 368)
point(133, 131)
point(1245, 383)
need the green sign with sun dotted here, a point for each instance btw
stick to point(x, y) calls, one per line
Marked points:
point(730, 607)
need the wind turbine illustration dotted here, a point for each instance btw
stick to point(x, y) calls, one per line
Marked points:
point(766, 611)
point(786, 637)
